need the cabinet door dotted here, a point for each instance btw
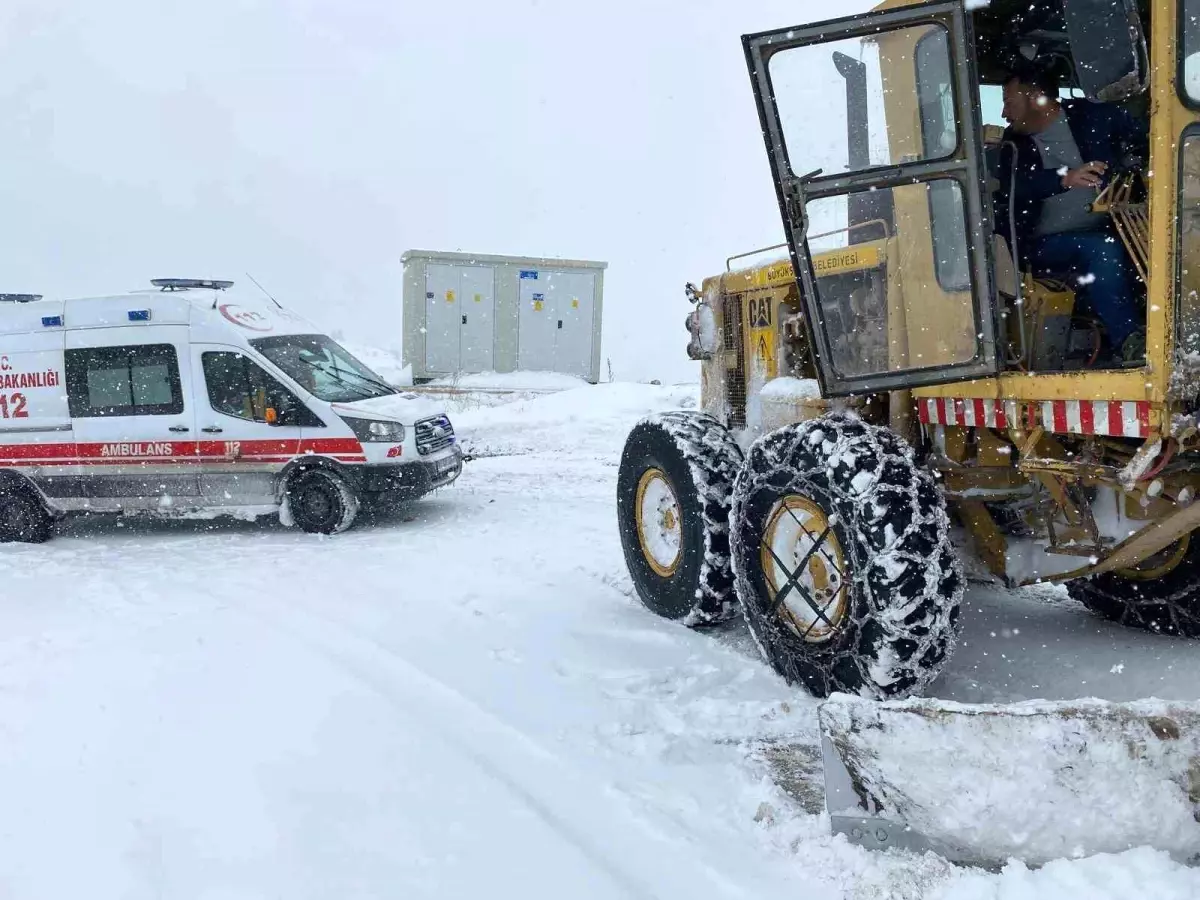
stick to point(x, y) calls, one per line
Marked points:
point(477, 305)
point(443, 322)
point(536, 323)
point(573, 296)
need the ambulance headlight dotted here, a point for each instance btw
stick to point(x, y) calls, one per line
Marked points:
point(376, 430)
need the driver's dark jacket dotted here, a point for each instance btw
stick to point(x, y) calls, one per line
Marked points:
point(1103, 132)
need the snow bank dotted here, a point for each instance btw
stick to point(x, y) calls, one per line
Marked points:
point(591, 421)
point(513, 381)
point(385, 363)
point(1034, 780)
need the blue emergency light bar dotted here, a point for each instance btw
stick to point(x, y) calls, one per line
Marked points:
point(52, 321)
point(139, 315)
point(182, 284)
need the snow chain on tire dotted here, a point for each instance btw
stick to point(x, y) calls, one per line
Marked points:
point(892, 578)
point(688, 461)
point(1166, 603)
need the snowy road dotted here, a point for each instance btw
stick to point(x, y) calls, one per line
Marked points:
point(468, 703)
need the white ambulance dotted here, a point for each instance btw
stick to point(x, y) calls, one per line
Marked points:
point(195, 400)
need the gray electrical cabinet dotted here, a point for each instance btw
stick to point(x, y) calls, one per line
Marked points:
point(468, 312)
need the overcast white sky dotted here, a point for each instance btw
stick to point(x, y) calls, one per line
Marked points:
point(311, 143)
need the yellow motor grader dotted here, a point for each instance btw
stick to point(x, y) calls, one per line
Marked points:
point(903, 376)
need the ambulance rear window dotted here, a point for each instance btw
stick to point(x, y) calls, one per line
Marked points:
point(140, 380)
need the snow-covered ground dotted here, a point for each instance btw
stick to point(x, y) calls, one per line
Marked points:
point(464, 702)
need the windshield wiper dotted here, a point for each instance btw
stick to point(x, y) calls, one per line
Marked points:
point(337, 374)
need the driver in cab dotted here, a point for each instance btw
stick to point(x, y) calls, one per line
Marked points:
point(1064, 150)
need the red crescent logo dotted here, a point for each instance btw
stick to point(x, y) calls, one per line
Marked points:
point(245, 318)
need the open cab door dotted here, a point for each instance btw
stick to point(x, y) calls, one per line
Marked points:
point(872, 128)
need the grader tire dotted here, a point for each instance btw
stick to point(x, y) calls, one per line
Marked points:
point(1161, 595)
point(843, 560)
point(673, 492)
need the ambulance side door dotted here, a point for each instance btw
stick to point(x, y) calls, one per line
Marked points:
point(241, 452)
point(129, 391)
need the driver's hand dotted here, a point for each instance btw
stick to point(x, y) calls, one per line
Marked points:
point(1086, 176)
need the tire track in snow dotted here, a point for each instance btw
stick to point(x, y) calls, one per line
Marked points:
point(560, 798)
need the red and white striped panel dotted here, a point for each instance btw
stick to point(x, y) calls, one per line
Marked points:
point(1115, 418)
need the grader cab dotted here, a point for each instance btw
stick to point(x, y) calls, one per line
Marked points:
point(907, 386)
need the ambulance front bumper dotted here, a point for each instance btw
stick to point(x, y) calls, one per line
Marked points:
point(397, 483)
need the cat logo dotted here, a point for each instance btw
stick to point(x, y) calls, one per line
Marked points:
point(760, 312)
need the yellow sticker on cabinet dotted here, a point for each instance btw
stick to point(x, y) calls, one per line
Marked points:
point(449, 296)
point(537, 305)
point(479, 298)
point(574, 303)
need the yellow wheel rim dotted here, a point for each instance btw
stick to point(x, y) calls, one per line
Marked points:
point(659, 521)
point(1160, 564)
point(808, 581)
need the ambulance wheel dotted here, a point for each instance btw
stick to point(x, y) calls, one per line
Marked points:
point(673, 491)
point(1162, 594)
point(843, 559)
point(23, 516)
point(321, 502)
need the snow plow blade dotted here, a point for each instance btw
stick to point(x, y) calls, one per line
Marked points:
point(1036, 781)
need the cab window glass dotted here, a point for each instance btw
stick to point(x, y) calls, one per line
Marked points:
point(124, 381)
point(1187, 320)
point(1190, 22)
point(939, 136)
point(935, 95)
point(239, 387)
point(863, 107)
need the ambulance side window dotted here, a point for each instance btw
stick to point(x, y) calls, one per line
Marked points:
point(239, 387)
point(141, 380)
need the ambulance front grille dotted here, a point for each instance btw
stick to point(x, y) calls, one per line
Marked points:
point(434, 434)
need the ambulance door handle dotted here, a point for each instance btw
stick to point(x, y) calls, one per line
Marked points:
point(179, 429)
point(213, 429)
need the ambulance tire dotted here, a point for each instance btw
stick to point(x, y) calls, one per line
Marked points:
point(23, 516)
point(321, 502)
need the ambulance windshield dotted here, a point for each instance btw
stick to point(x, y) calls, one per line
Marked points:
point(323, 367)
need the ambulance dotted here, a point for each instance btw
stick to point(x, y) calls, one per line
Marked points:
point(194, 400)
